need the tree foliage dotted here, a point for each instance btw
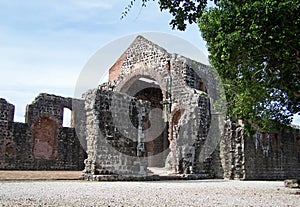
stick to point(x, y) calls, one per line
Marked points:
point(184, 11)
point(255, 47)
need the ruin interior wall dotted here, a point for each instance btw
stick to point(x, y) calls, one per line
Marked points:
point(115, 137)
point(262, 156)
point(273, 156)
point(41, 143)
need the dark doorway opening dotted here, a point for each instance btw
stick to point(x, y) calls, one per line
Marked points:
point(156, 129)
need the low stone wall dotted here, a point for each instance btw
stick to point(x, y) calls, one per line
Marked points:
point(273, 156)
point(42, 143)
point(263, 156)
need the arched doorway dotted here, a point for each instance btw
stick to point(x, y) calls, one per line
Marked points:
point(175, 124)
point(174, 130)
point(156, 129)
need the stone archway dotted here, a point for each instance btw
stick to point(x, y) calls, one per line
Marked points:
point(174, 131)
point(175, 123)
point(156, 129)
point(180, 83)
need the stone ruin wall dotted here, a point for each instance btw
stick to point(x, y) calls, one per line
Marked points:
point(116, 135)
point(185, 110)
point(115, 138)
point(115, 146)
point(272, 156)
point(262, 156)
point(41, 143)
point(181, 81)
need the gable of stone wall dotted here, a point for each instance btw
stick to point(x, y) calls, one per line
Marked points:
point(182, 88)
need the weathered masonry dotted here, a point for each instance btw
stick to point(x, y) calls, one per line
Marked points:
point(154, 112)
point(263, 156)
point(41, 143)
point(158, 110)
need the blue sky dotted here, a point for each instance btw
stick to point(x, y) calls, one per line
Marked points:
point(45, 44)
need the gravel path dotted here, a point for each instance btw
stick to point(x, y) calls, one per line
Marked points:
point(160, 193)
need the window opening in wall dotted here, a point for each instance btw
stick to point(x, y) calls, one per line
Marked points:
point(67, 117)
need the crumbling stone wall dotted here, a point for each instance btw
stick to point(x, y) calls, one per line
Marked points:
point(7, 144)
point(157, 110)
point(262, 156)
point(7, 111)
point(41, 143)
point(115, 138)
point(232, 153)
point(183, 92)
point(273, 156)
point(189, 90)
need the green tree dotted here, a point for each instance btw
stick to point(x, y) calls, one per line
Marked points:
point(184, 11)
point(255, 47)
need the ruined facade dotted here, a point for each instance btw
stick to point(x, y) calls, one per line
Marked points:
point(156, 107)
point(187, 133)
point(158, 110)
point(41, 143)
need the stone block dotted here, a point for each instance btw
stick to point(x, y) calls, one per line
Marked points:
point(292, 183)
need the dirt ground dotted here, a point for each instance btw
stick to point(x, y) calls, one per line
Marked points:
point(39, 175)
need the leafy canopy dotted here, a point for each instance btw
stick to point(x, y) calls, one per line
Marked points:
point(255, 47)
point(184, 11)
